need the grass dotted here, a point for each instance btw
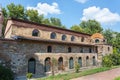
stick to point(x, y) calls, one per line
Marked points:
point(118, 78)
point(75, 75)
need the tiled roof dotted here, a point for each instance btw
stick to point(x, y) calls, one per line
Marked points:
point(97, 35)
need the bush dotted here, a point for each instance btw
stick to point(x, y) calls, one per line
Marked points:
point(77, 67)
point(6, 73)
point(111, 60)
point(107, 61)
point(115, 58)
point(29, 75)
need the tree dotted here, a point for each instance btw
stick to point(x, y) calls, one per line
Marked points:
point(76, 28)
point(77, 67)
point(108, 34)
point(33, 16)
point(53, 65)
point(15, 11)
point(46, 21)
point(91, 26)
point(5, 20)
point(56, 22)
point(111, 60)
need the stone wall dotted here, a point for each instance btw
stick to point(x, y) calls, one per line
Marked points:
point(19, 52)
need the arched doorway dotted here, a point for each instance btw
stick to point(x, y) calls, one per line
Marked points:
point(31, 65)
point(71, 63)
point(47, 64)
point(94, 61)
point(87, 61)
point(60, 63)
point(80, 61)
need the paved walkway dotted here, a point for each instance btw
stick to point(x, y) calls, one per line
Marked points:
point(107, 75)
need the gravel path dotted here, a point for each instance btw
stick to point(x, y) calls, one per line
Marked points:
point(107, 75)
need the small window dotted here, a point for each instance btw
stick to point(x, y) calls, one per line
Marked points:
point(69, 49)
point(53, 35)
point(104, 40)
point(82, 39)
point(35, 32)
point(97, 41)
point(81, 50)
point(49, 49)
point(72, 38)
point(90, 50)
point(63, 37)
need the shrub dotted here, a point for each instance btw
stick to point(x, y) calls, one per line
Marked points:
point(29, 75)
point(111, 60)
point(6, 73)
point(107, 61)
point(53, 65)
point(115, 58)
point(77, 67)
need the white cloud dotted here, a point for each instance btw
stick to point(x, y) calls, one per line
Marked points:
point(81, 1)
point(104, 15)
point(44, 8)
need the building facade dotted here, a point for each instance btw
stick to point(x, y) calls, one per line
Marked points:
point(30, 47)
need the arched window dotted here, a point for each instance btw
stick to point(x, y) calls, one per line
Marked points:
point(31, 65)
point(69, 49)
point(49, 49)
point(63, 37)
point(82, 39)
point(80, 61)
point(71, 63)
point(72, 38)
point(47, 64)
point(35, 32)
point(97, 41)
point(53, 35)
point(94, 61)
point(87, 61)
point(60, 64)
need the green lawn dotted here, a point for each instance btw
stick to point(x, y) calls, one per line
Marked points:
point(69, 76)
point(118, 78)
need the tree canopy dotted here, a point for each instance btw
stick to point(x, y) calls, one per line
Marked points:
point(76, 28)
point(18, 12)
point(91, 26)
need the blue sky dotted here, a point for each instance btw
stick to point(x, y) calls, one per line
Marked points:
point(72, 12)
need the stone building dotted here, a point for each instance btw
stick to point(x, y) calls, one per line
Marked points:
point(30, 47)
